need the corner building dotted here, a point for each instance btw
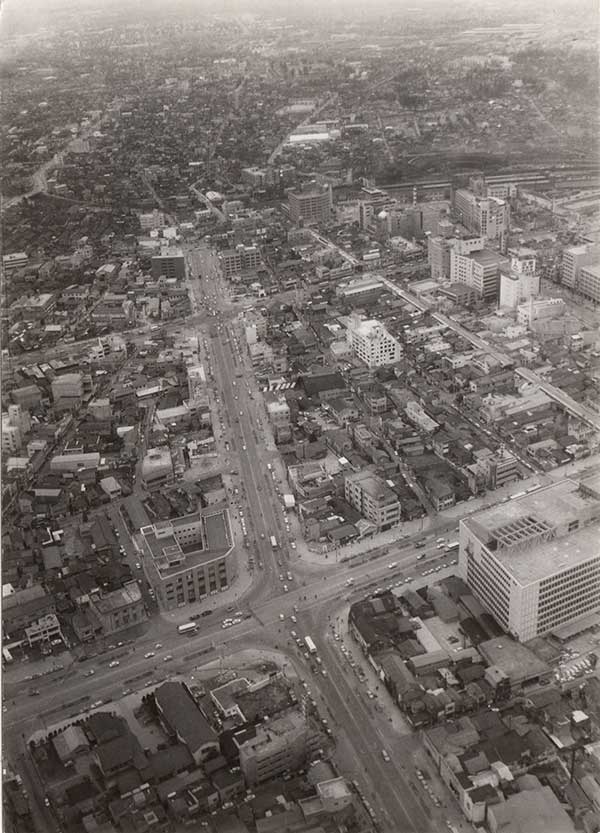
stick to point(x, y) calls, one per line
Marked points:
point(534, 561)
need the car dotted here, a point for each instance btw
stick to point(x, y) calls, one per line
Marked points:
point(281, 617)
point(324, 672)
point(293, 634)
point(408, 579)
point(47, 801)
point(168, 658)
point(293, 545)
point(290, 577)
point(158, 646)
point(262, 535)
point(385, 756)
point(149, 655)
point(420, 556)
point(243, 448)
point(392, 565)
point(89, 673)
point(114, 663)
point(241, 413)
point(370, 694)
point(286, 588)
point(138, 566)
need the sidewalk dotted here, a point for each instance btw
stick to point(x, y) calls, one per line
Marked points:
point(444, 521)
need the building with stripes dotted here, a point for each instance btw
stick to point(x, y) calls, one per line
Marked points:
point(533, 561)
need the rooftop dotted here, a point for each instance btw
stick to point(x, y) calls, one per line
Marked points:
point(530, 535)
point(180, 711)
point(515, 659)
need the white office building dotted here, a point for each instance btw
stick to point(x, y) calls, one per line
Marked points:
point(371, 342)
point(533, 562)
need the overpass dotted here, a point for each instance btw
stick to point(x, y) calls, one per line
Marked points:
point(583, 412)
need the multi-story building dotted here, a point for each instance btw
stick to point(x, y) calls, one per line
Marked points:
point(170, 263)
point(188, 558)
point(279, 417)
point(574, 258)
point(196, 382)
point(438, 256)
point(153, 220)
point(238, 260)
point(313, 204)
point(521, 281)
point(67, 391)
point(15, 425)
point(540, 311)
point(14, 260)
point(373, 498)
point(371, 342)
point(487, 216)
point(157, 468)
point(285, 744)
point(533, 562)
point(34, 307)
point(119, 609)
point(479, 269)
point(589, 282)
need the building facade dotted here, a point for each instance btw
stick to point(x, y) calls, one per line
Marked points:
point(186, 559)
point(533, 562)
point(170, 263)
point(282, 745)
point(373, 498)
point(574, 258)
point(371, 343)
point(311, 205)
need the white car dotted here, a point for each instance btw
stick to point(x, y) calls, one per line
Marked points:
point(286, 588)
point(168, 658)
point(113, 664)
point(293, 545)
point(294, 620)
point(281, 616)
point(149, 655)
point(392, 565)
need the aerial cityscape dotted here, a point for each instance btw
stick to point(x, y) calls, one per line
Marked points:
point(300, 383)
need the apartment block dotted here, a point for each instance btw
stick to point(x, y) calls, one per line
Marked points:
point(372, 497)
point(533, 562)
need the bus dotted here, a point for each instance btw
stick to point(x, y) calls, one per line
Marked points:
point(273, 541)
point(7, 657)
point(189, 627)
point(453, 546)
point(312, 648)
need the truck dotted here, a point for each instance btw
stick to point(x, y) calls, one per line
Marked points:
point(273, 541)
point(312, 648)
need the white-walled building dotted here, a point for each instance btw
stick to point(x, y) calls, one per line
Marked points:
point(521, 281)
point(371, 342)
point(533, 562)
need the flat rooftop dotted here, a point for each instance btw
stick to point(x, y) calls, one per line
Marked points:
point(514, 658)
point(486, 257)
point(521, 532)
point(171, 556)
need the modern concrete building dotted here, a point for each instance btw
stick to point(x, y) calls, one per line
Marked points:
point(533, 562)
point(371, 342)
point(372, 497)
point(170, 263)
point(487, 216)
point(238, 260)
point(574, 258)
point(542, 310)
point(479, 269)
point(282, 745)
point(188, 558)
point(120, 609)
point(14, 260)
point(589, 282)
point(157, 468)
point(313, 204)
point(438, 256)
point(521, 280)
point(153, 220)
